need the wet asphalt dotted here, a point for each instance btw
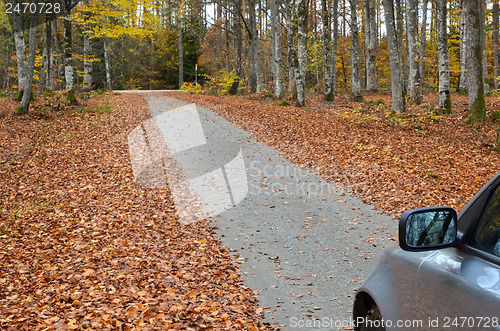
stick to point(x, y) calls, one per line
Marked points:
point(303, 244)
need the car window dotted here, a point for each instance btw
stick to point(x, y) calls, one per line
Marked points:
point(487, 237)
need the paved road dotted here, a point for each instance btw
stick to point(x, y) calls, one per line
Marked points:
point(302, 242)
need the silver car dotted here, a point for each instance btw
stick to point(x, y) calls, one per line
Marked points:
point(445, 274)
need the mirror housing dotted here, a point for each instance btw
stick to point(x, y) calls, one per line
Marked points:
point(429, 228)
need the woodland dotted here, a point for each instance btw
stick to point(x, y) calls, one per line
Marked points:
point(248, 46)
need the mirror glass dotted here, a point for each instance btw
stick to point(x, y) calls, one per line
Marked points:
point(430, 228)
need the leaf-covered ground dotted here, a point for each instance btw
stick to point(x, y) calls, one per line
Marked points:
point(83, 247)
point(395, 162)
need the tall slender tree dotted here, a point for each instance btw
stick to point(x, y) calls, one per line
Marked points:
point(482, 17)
point(355, 65)
point(423, 42)
point(371, 44)
point(473, 53)
point(327, 39)
point(18, 22)
point(30, 69)
point(300, 74)
point(443, 60)
point(68, 44)
point(253, 35)
point(415, 92)
point(87, 54)
point(495, 43)
point(49, 53)
point(462, 86)
point(180, 4)
point(335, 18)
point(398, 100)
point(292, 50)
point(276, 47)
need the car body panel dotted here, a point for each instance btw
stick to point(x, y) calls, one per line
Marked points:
point(454, 284)
point(451, 284)
point(389, 283)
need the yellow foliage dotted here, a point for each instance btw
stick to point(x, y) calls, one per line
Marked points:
point(222, 82)
point(193, 88)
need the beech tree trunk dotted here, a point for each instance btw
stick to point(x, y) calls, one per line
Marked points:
point(276, 48)
point(423, 37)
point(473, 54)
point(482, 17)
point(398, 100)
point(495, 43)
point(18, 22)
point(49, 65)
point(327, 39)
point(371, 44)
point(292, 51)
point(87, 64)
point(399, 28)
point(355, 63)
point(415, 92)
point(462, 86)
point(335, 18)
point(239, 46)
point(179, 43)
point(300, 74)
point(26, 100)
point(106, 63)
point(443, 61)
point(254, 46)
point(68, 52)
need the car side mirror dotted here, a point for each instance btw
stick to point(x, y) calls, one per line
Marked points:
point(424, 229)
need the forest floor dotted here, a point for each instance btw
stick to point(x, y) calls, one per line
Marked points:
point(82, 246)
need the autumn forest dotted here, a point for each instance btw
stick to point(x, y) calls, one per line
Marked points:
point(246, 46)
point(392, 104)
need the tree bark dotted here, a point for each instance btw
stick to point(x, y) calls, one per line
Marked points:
point(399, 28)
point(415, 92)
point(87, 63)
point(495, 43)
point(398, 100)
point(106, 63)
point(49, 77)
point(335, 18)
point(473, 54)
point(18, 22)
point(482, 17)
point(371, 44)
point(254, 46)
point(423, 37)
point(300, 74)
point(327, 39)
point(355, 63)
point(239, 46)
point(276, 48)
point(462, 86)
point(179, 43)
point(292, 51)
point(26, 100)
point(443, 61)
point(68, 52)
